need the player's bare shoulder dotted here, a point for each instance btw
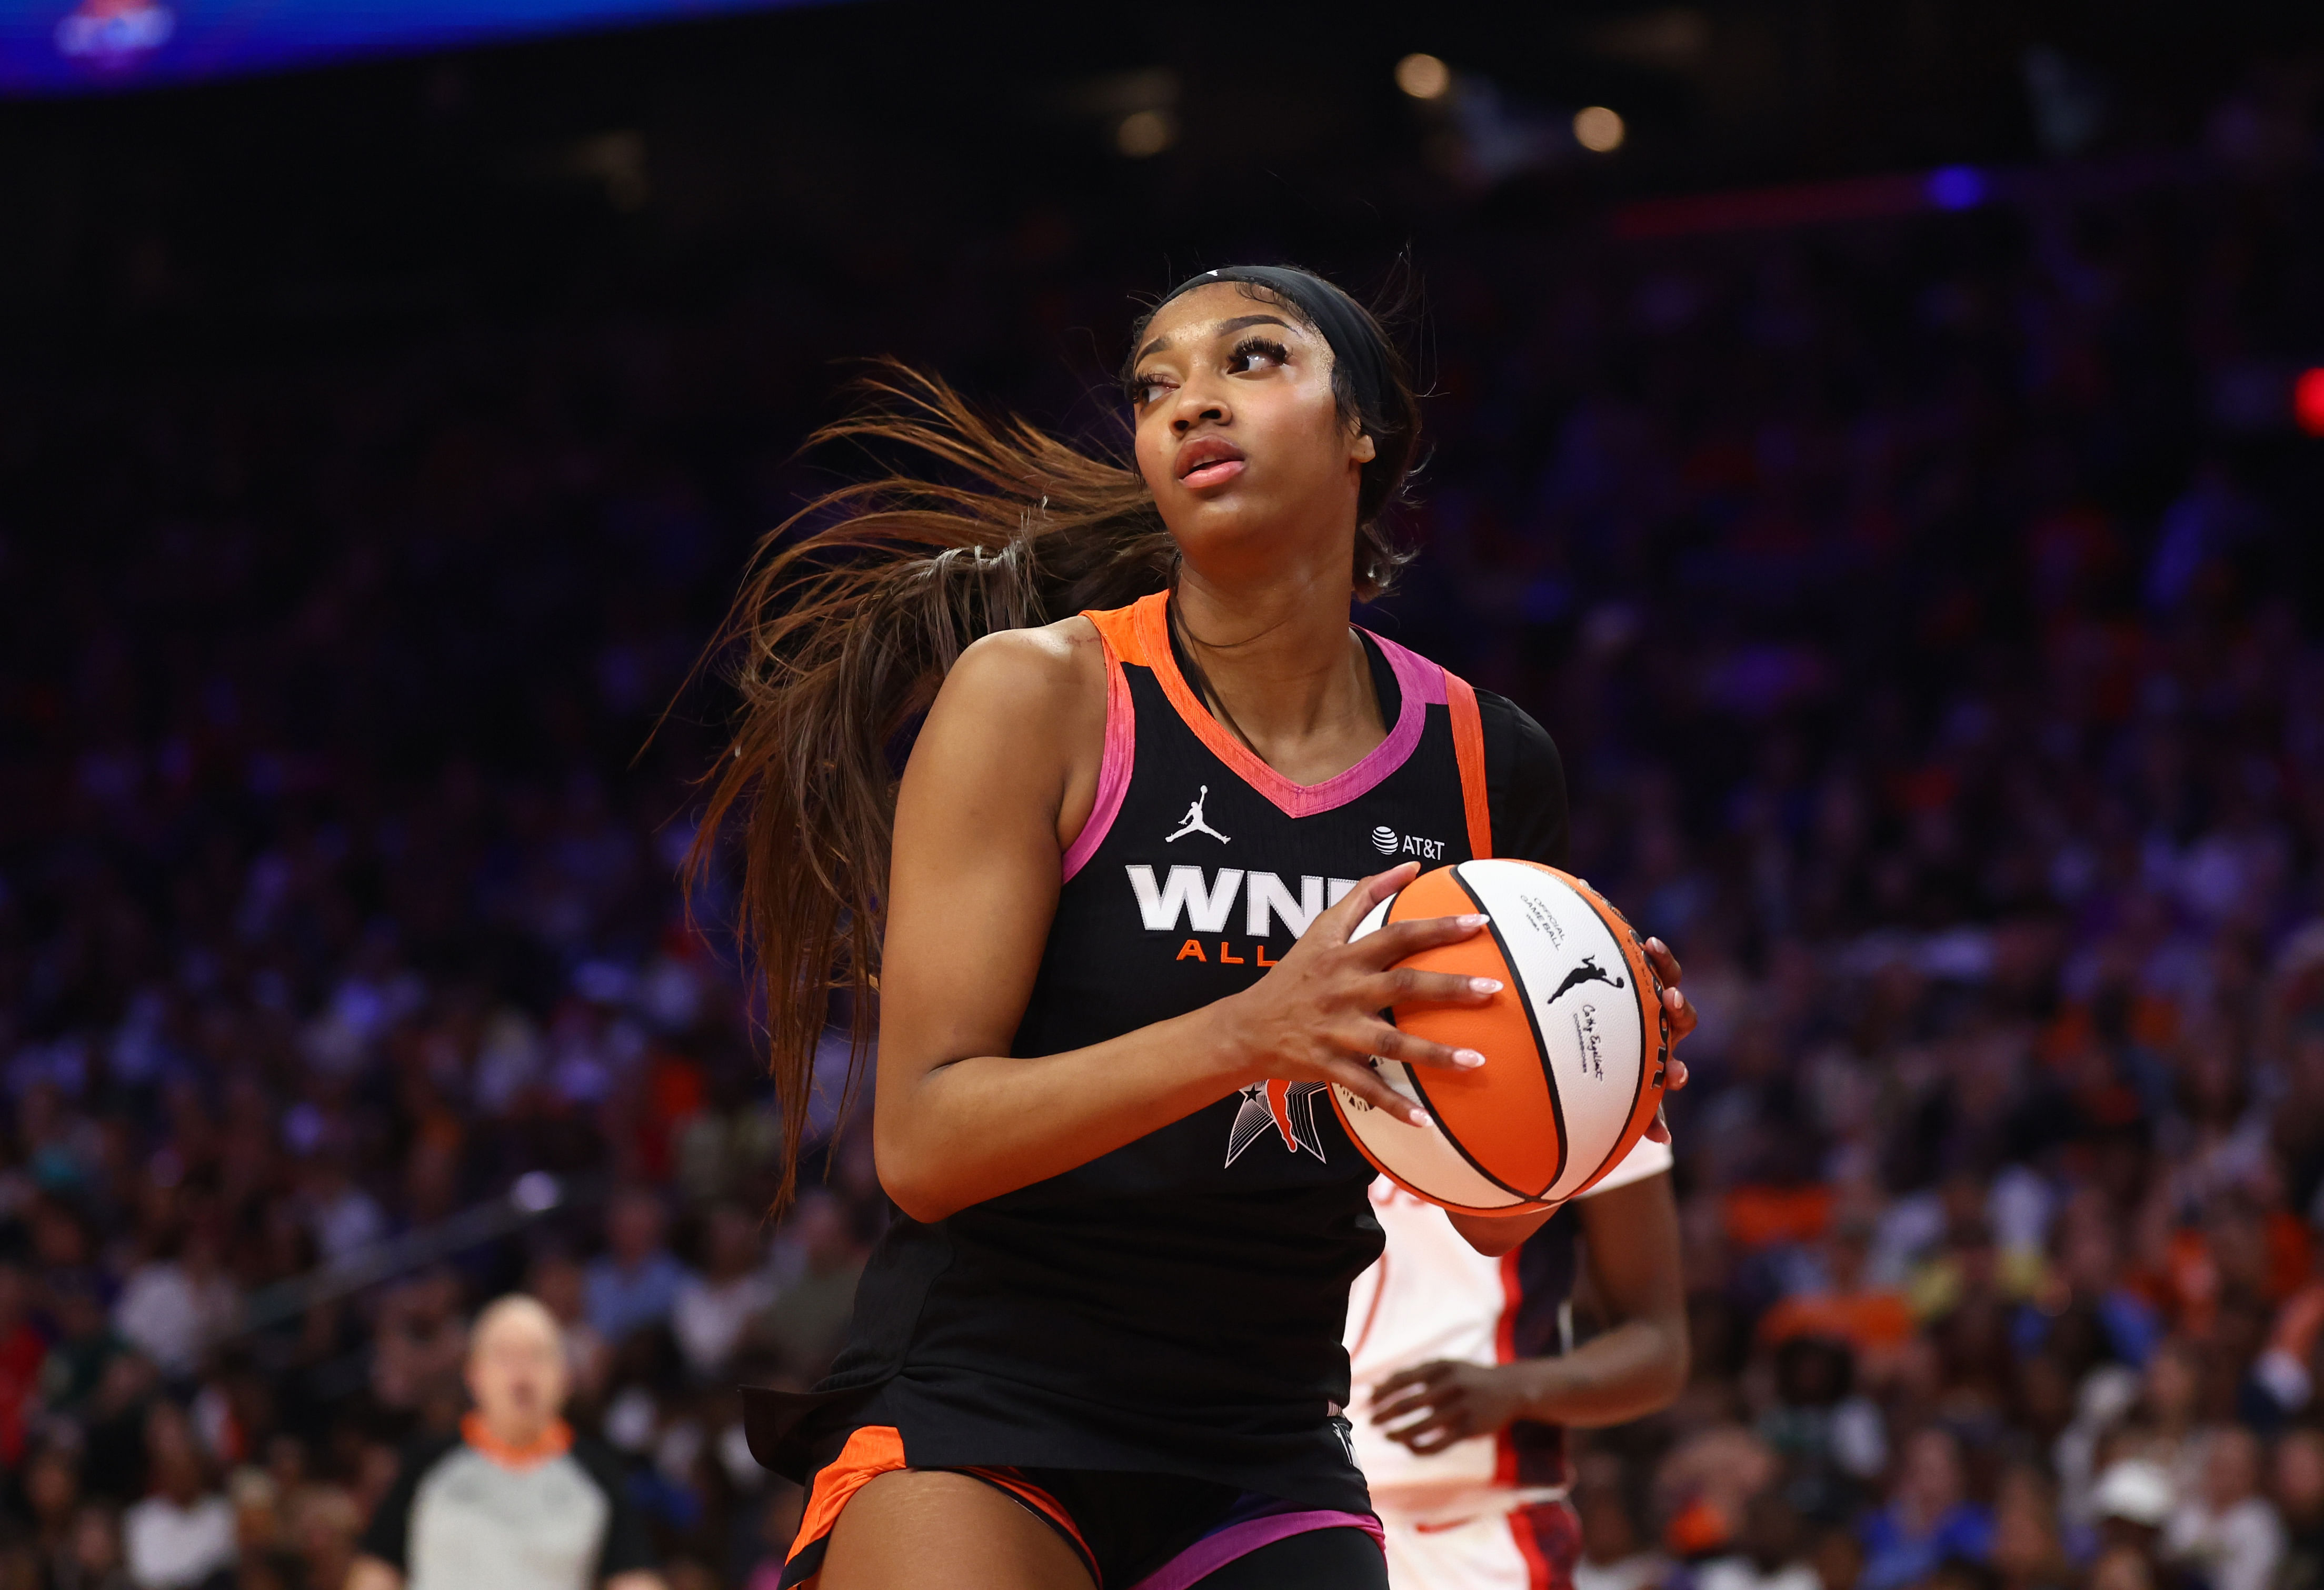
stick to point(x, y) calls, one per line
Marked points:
point(1043, 686)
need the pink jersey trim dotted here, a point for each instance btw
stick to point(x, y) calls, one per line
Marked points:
point(1421, 684)
point(1208, 1554)
point(1414, 673)
point(1113, 768)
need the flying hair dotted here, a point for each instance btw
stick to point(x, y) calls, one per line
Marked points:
point(854, 609)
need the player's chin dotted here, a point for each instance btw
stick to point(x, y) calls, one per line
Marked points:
point(1230, 520)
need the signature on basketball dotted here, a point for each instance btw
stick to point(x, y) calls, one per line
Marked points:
point(1585, 1038)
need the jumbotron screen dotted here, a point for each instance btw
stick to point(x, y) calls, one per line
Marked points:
point(80, 46)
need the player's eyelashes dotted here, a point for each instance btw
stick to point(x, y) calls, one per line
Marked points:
point(1255, 353)
point(1251, 356)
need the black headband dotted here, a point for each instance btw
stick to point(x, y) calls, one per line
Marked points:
point(1358, 354)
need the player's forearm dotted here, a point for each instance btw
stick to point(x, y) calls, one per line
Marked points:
point(1633, 1370)
point(974, 1129)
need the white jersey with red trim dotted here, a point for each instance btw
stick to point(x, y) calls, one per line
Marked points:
point(1431, 1295)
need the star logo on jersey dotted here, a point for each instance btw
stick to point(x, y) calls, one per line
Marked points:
point(1289, 1107)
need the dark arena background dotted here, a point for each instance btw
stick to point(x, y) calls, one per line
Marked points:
point(1882, 444)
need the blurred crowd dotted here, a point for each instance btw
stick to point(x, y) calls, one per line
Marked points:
point(1924, 614)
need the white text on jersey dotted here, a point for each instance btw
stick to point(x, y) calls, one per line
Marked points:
point(1206, 904)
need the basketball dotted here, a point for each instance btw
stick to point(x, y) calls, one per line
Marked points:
point(1574, 1044)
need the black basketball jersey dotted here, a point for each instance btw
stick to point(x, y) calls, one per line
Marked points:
point(1175, 1305)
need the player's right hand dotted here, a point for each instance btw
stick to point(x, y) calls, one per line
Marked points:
point(1318, 1015)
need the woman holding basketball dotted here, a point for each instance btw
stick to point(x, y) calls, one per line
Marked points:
point(1100, 1345)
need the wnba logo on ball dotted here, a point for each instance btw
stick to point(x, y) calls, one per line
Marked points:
point(1384, 839)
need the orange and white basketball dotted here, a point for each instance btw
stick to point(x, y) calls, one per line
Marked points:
point(1575, 1044)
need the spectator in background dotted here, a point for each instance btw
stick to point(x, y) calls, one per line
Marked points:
point(1615, 1553)
point(2298, 1487)
point(1704, 1485)
point(515, 1500)
point(2226, 1533)
point(805, 1321)
point(1929, 1517)
point(1842, 1304)
point(342, 1217)
point(325, 1525)
point(93, 1561)
point(2028, 1551)
point(1771, 1551)
point(635, 1281)
point(421, 1341)
point(1832, 1441)
point(181, 1537)
point(84, 1343)
point(2122, 1568)
point(2090, 1276)
point(712, 1310)
point(1838, 1559)
point(562, 1287)
point(172, 1309)
point(53, 1496)
point(2163, 1425)
point(22, 1350)
point(2131, 1502)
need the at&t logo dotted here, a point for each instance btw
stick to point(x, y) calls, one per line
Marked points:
point(1388, 842)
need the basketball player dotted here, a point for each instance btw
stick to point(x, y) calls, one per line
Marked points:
point(1465, 1373)
point(1464, 1366)
point(1100, 1345)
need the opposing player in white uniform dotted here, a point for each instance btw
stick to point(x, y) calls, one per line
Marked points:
point(1465, 1374)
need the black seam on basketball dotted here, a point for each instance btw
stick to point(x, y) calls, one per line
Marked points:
point(1411, 1074)
point(1540, 1048)
point(1522, 1207)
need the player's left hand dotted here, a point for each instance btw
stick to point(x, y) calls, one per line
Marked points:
point(1681, 1014)
point(1429, 1408)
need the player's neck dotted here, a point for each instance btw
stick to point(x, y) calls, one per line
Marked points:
point(1282, 662)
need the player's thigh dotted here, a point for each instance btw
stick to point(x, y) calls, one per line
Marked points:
point(1320, 1559)
point(908, 1529)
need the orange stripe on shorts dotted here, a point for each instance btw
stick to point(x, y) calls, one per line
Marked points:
point(871, 1451)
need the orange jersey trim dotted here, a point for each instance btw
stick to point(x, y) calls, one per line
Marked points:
point(1469, 752)
point(555, 1441)
point(1151, 616)
point(1124, 634)
point(1140, 634)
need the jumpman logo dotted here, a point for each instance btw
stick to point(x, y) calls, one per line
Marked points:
point(1589, 971)
point(1193, 823)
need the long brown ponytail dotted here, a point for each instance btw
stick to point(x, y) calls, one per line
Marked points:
point(841, 636)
